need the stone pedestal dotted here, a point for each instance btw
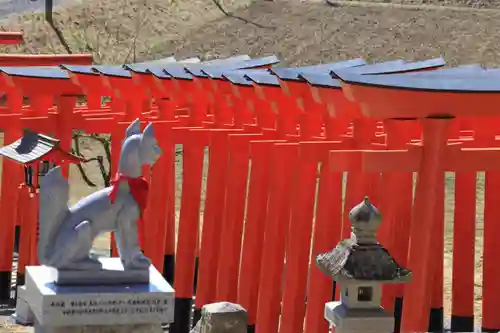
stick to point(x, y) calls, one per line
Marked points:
point(95, 308)
point(23, 315)
point(152, 328)
point(354, 320)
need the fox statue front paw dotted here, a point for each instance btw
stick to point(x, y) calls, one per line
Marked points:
point(137, 261)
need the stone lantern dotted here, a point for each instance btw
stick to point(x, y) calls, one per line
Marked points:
point(38, 153)
point(360, 265)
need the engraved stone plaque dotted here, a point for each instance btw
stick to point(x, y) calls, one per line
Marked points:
point(55, 306)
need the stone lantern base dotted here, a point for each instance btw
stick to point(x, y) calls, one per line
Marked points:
point(346, 320)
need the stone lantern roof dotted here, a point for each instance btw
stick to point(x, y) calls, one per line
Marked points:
point(361, 257)
point(34, 147)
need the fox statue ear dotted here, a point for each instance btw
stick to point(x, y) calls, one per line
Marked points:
point(149, 131)
point(134, 128)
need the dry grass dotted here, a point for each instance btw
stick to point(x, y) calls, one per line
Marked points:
point(307, 33)
point(116, 31)
point(445, 3)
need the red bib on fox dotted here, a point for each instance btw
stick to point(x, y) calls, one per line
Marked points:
point(139, 188)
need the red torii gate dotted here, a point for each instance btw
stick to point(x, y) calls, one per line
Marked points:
point(17, 60)
point(439, 100)
point(11, 38)
point(16, 38)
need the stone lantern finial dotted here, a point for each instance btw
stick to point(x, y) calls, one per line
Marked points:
point(365, 220)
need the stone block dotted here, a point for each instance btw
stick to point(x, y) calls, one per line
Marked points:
point(347, 320)
point(350, 291)
point(62, 306)
point(223, 317)
point(112, 273)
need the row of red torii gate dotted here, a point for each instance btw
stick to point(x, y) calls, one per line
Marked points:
point(290, 151)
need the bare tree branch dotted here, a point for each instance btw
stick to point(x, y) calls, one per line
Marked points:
point(77, 152)
point(60, 36)
point(258, 25)
point(140, 24)
point(105, 174)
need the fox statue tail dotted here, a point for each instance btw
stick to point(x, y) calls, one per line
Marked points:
point(53, 209)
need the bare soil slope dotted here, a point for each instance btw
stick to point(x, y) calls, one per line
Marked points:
point(447, 3)
point(115, 31)
point(314, 32)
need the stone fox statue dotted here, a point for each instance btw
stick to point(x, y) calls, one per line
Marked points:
point(67, 233)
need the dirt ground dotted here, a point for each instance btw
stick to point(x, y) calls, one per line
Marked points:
point(298, 32)
point(115, 31)
point(483, 4)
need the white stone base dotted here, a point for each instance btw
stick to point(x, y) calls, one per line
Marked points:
point(143, 328)
point(348, 320)
point(80, 306)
